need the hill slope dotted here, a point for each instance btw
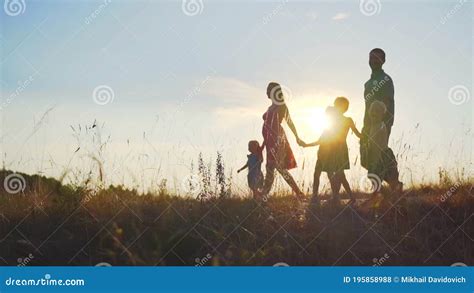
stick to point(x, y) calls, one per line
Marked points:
point(46, 223)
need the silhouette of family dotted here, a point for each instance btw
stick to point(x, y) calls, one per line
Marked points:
point(333, 154)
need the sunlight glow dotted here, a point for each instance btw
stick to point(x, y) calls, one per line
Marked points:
point(317, 120)
point(310, 121)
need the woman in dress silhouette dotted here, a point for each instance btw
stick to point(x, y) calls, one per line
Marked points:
point(279, 153)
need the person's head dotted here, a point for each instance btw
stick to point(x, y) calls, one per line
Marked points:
point(376, 58)
point(341, 104)
point(254, 147)
point(377, 111)
point(275, 93)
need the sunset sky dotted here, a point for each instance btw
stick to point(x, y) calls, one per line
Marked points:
point(187, 81)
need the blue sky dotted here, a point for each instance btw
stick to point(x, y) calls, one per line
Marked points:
point(187, 84)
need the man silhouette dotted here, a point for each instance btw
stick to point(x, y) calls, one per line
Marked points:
point(375, 154)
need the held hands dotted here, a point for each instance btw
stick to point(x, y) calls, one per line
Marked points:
point(301, 142)
point(311, 144)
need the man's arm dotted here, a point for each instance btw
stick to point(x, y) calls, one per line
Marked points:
point(367, 97)
point(388, 100)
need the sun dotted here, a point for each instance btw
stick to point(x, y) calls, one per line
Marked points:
point(310, 121)
point(316, 120)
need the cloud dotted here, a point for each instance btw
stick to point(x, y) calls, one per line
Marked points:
point(232, 117)
point(231, 91)
point(340, 16)
point(235, 102)
point(238, 104)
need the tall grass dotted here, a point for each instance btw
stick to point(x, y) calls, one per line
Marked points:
point(76, 225)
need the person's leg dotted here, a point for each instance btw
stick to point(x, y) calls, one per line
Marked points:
point(390, 171)
point(393, 182)
point(289, 179)
point(268, 182)
point(346, 185)
point(342, 178)
point(255, 193)
point(316, 176)
point(335, 184)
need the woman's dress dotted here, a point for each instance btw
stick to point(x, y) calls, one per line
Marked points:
point(279, 153)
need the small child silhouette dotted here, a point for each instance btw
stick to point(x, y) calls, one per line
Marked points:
point(333, 154)
point(254, 164)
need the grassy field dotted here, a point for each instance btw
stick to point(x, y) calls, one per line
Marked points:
point(47, 223)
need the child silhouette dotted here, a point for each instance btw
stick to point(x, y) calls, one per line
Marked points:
point(254, 164)
point(333, 154)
